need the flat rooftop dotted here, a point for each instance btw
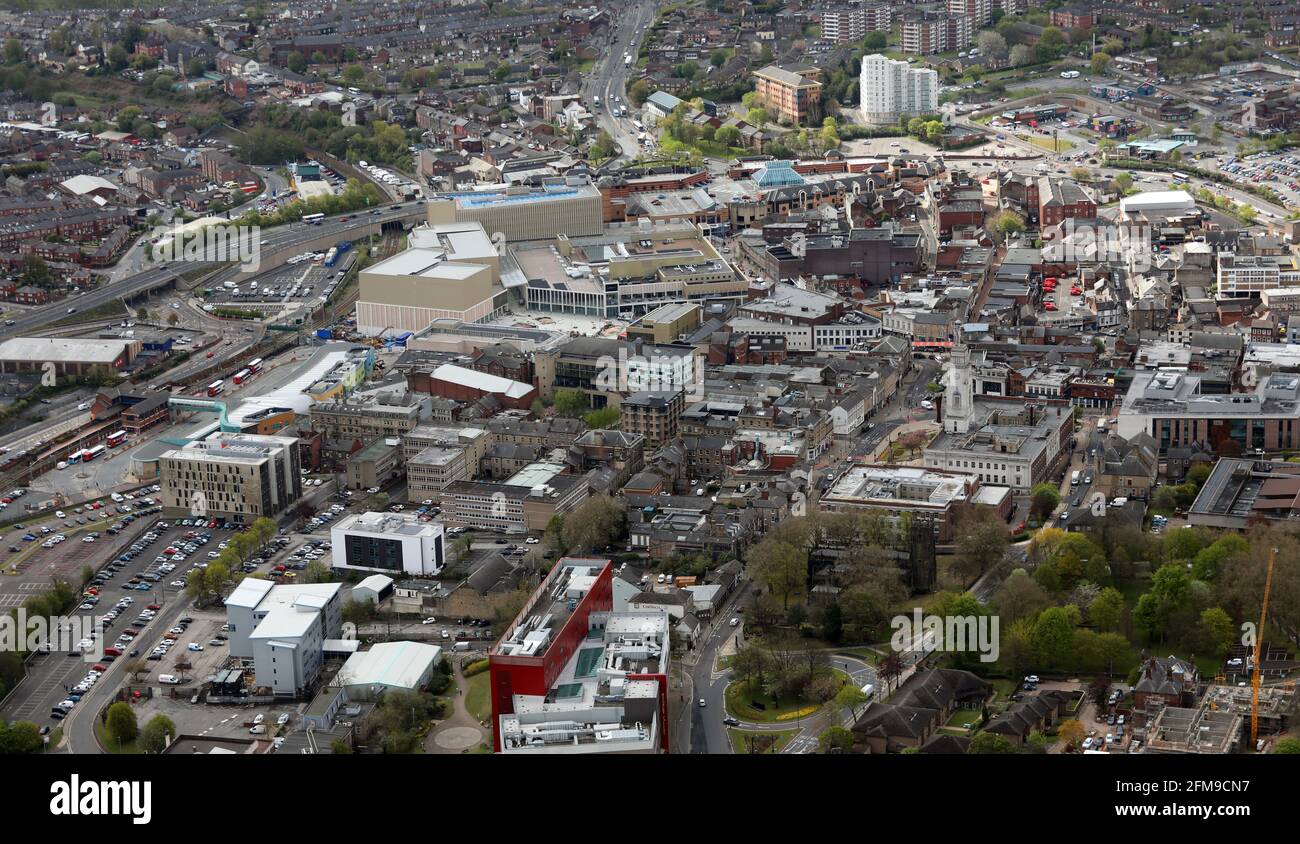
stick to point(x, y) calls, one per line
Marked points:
point(884, 485)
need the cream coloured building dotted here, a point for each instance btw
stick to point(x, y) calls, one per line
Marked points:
point(241, 477)
point(452, 270)
point(519, 212)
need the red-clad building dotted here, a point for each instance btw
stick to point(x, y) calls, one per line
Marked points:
point(571, 676)
point(1063, 199)
point(464, 384)
point(1074, 17)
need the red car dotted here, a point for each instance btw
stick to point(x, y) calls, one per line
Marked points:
point(100, 667)
point(113, 651)
point(209, 354)
point(154, 607)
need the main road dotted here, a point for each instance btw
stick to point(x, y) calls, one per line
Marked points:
point(360, 223)
point(608, 79)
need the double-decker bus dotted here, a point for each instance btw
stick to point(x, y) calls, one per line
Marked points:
point(91, 453)
point(254, 366)
point(116, 438)
point(242, 375)
point(313, 219)
point(215, 388)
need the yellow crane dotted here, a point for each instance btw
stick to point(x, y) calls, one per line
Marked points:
point(1259, 645)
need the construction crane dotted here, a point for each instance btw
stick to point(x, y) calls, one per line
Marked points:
point(1259, 645)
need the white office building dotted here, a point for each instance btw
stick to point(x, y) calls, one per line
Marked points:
point(389, 542)
point(893, 89)
point(283, 630)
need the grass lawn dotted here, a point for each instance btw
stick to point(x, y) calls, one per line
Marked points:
point(740, 739)
point(1004, 689)
point(740, 697)
point(476, 699)
point(1047, 144)
point(110, 744)
point(964, 716)
point(105, 311)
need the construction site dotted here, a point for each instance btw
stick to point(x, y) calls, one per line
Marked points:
point(1217, 725)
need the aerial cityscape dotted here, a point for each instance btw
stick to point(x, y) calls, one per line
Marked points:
point(541, 378)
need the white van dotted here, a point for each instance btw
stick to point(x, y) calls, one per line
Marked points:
point(1074, 478)
point(169, 679)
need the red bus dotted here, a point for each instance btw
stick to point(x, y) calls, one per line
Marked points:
point(91, 453)
point(242, 375)
point(255, 365)
point(215, 388)
point(116, 438)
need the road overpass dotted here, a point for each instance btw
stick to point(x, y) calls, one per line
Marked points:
point(280, 244)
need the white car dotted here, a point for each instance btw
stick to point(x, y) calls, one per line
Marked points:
point(429, 621)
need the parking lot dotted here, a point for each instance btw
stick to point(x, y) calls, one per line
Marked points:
point(305, 278)
point(216, 721)
point(1279, 171)
point(59, 543)
point(118, 603)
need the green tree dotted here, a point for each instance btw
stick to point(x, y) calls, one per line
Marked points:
point(597, 524)
point(981, 543)
point(992, 44)
point(1286, 747)
point(1007, 223)
point(782, 567)
point(13, 51)
point(990, 743)
point(20, 737)
point(835, 740)
point(317, 572)
point(1206, 563)
point(728, 136)
point(297, 62)
point(121, 723)
point(1020, 596)
point(1107, 609)
point(1099, 63)
point(571, 402)
point(875, 41)
point(1045, 498)
point(156, 733)
point(1053, 636)
point(1215, 632)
